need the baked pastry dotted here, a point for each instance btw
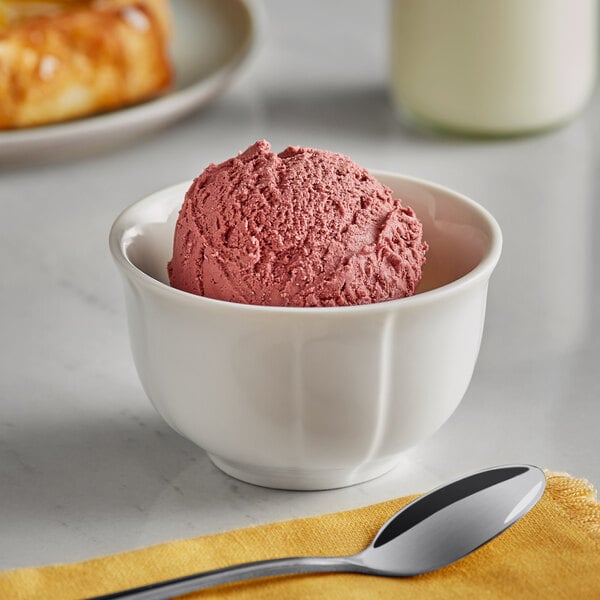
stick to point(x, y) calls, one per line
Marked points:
point(64, 59)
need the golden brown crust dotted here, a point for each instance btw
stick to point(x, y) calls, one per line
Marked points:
point(73, 59)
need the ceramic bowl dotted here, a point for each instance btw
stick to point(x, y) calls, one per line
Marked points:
point(309, 398)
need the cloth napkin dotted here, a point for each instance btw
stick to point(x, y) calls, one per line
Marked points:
point(553, 552)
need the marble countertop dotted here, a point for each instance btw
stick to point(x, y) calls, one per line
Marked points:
point(87, 467)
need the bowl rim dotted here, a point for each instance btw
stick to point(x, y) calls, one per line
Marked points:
point(482, 271)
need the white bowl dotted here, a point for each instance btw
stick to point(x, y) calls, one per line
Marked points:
point(310, 398)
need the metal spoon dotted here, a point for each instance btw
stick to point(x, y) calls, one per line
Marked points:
point(433, 531)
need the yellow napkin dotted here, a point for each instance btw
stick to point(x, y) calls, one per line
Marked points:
point(553, 552)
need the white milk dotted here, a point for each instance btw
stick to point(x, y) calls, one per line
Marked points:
point(493, 66)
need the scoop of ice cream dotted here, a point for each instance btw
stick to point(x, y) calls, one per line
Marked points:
point(304, 227)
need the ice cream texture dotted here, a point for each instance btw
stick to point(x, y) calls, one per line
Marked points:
point(304, 227)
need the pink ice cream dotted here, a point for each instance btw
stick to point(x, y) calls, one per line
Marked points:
point(304, 227)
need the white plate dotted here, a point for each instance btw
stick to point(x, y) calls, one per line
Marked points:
point(212, 39)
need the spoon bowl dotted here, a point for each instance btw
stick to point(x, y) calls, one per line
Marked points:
point(431, 532)
point(453, 520)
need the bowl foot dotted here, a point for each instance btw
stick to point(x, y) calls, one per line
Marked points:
point(293, 478)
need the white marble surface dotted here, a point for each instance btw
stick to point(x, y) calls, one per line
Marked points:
point(86, 465)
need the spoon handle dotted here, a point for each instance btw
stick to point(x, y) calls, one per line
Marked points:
point(253, 570)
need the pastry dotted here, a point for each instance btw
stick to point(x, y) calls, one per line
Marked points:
point(65, 59)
